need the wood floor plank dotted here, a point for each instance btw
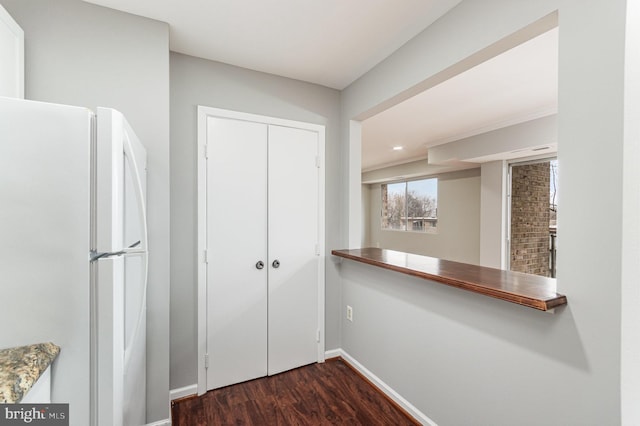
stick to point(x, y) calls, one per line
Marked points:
point(318, 394)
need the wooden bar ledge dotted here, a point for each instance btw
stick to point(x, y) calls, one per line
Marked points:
point(524, 289)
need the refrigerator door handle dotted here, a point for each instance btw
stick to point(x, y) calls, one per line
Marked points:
point(140, 198)
point(132, 249)
point(135, 248)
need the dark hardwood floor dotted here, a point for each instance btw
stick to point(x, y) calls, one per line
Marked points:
point(318, 394)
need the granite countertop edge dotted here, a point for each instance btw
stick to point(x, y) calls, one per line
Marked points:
point(21, 367)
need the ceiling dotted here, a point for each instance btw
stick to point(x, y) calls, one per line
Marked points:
point(333, 42)
point(516, 86)
point(327, 42)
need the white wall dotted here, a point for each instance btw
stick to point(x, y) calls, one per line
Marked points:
point(367, 216)
point(467, 359)
point(200, 82)
point(80, 54)
point(500, 143)
point(458, 231)
point(493, 214)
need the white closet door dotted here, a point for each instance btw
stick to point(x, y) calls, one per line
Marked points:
point(293, 235)
point(237, 241)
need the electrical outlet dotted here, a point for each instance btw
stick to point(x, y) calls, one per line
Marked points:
point(349, 313)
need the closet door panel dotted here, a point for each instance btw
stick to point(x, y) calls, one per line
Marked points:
point(293, 235)
point(236, 241)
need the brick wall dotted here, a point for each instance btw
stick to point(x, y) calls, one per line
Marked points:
point(530, 218)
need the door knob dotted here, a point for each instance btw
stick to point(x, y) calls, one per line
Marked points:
point(276, 263)
point(260, 264)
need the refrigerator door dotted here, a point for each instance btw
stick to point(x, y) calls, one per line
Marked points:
point(121, 250)
point(120, 204)
point(108, 385)
point(44, 228)
point(135, 279)
point(121, 353)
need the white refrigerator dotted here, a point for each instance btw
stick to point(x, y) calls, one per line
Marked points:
point(73, 253)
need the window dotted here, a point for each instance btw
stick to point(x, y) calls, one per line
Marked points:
point(410, 205)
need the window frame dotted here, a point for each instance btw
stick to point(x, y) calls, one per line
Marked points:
point(425, 230)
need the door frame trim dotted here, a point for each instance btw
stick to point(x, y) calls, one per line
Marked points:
point(203, 113)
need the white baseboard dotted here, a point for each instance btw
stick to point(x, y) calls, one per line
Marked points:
point(386, 389)
point(333, 353)
point(165, 422)
point(182, 392)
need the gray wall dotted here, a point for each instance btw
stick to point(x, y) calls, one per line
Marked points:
point(200, 82)
point(81, 54)
point(458, 232)
point(466, 359)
